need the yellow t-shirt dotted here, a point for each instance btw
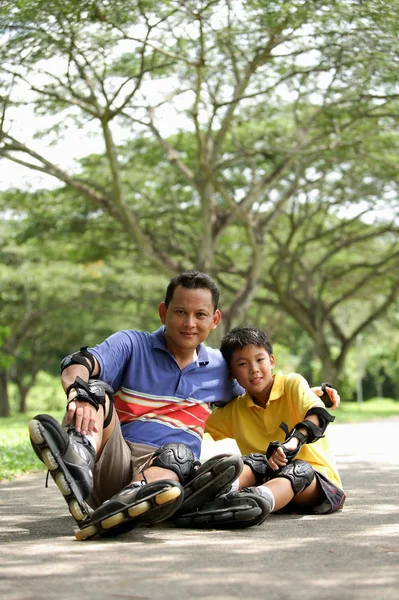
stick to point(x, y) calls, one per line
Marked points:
point(254, 427)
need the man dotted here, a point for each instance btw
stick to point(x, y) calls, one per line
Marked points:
point(139, 463)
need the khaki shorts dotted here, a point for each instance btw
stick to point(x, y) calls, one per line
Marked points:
point(120, 462)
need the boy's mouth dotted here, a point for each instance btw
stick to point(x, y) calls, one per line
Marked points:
point(256, 380)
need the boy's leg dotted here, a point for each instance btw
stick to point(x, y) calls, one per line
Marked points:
point(233, 510)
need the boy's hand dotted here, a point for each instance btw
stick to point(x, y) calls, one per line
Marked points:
point(332, 393)
point(278, 459)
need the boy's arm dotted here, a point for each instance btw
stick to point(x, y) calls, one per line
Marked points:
point(292, 445)
point(315, 419)
point(328, 394)
point(219, 423)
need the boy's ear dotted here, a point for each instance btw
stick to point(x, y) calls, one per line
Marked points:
point(272, 361)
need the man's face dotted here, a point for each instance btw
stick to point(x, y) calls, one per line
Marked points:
point(189, 318)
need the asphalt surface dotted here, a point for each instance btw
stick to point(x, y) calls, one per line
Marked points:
point(351, 555)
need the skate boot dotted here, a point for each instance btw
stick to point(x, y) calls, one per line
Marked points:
point(69, 458)
point(144, 503)
point(212, 479)
point(234, 510)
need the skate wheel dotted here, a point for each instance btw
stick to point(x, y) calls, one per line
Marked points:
point(62, 484)
point(139, 509)
point(113, 521)
point(49, 460)
point(34, 432)
point(86, 532)
point(76, 511)
point(168, 495)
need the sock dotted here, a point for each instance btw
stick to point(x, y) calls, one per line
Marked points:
point(235, 485)
point(267, 493)
point(91, 441)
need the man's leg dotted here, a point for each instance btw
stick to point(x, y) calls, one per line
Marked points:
point(70, 458)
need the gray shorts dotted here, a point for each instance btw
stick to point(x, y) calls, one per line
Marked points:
point(120, 462)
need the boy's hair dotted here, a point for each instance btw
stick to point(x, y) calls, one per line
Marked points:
point(193, 280)
point(239, 337)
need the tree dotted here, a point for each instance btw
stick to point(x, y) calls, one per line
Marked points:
point(270, 92)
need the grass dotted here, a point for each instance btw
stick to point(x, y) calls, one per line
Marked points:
point(17, 456)
point(375, 409)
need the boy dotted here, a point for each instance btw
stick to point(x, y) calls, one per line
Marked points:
point(279, 427)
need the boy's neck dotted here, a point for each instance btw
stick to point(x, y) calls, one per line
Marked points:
point(262, 398)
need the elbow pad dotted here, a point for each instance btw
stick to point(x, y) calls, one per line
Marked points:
point(79, 358)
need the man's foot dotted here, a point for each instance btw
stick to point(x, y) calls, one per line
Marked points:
point(233, 510)
point(213, 478)
point(137, 503)
point(70, 459)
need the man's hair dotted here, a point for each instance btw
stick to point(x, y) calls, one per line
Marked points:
point(239, 337)
point(193, 280)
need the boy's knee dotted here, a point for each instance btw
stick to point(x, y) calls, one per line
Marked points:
point(299, 473)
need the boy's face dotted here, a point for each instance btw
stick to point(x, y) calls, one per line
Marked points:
point(252, 367)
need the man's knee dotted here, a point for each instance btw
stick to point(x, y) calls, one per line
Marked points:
point(176, 457)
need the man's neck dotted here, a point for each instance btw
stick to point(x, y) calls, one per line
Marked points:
point(182, 357)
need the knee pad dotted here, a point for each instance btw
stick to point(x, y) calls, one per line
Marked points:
point(176, 457)
point(299, 473)
point(259, 466)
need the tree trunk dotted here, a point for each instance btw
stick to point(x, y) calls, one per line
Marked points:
point(23, 394)
point(4, 399)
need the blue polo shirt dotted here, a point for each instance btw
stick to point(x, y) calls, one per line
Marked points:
point(156, 401)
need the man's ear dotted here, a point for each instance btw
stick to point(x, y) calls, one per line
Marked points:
point(162, 312)
point(217, 315)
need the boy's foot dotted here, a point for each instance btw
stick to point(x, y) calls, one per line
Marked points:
point(212, 479)
point(233, 510)
point(70, 459)
point(136, 503)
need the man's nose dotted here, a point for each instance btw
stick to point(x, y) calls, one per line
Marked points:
point(189, 321)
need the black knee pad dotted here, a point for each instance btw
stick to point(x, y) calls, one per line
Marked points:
point(176, 457)
point(300, 474)
point(259, 466)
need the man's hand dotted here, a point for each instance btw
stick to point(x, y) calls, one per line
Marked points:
point(333, 395)
point(82, 415)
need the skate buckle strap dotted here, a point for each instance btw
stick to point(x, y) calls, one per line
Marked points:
point(84, 394)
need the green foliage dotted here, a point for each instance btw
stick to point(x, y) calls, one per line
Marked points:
point(279, 177)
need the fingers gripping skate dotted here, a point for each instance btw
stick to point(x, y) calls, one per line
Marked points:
point(70, 469)
point(150, 503)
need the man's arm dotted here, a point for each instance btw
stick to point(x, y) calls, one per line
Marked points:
point(81, 414)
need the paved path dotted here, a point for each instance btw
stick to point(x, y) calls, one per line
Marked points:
point(352, 555)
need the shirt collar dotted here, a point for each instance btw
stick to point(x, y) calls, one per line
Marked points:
point(275, 393)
